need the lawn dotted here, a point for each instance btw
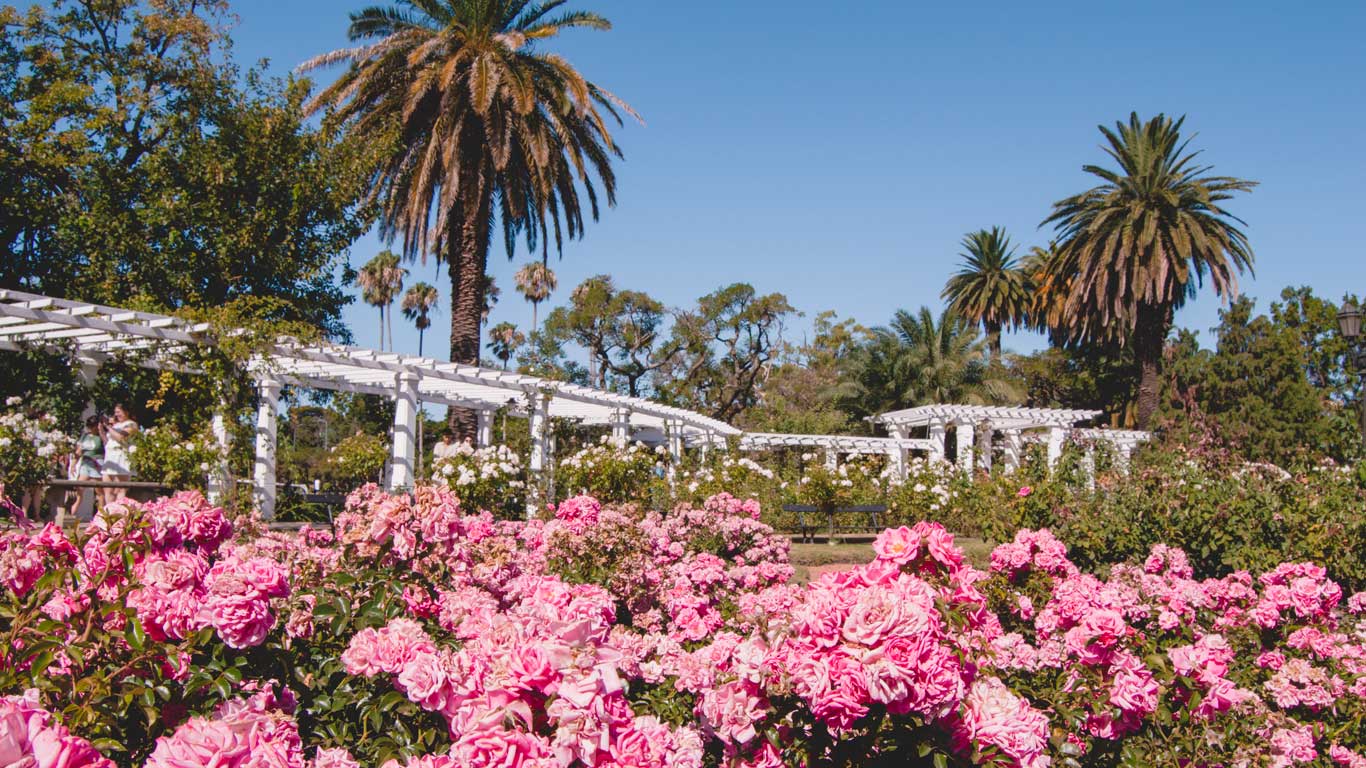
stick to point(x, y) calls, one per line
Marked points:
point(819, 555)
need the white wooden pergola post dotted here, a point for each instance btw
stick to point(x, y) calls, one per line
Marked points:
point(621, 426)
point(675, 430)
point(402, 458)
point(937, 439)
point(267, 425)
point(89, 373)
point(984, 447)
point(539, 417)
point(964, 432)
point(1012, 451)
point(220, 476)
point(1056, 435)
point(832, 459)
point(1125, 456)
point(484, 432)
point(1088, 465)
point(900, 455)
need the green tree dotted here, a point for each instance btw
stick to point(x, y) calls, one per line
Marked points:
point(504, 341)
point(991, 288)
point(491, 127)
point(536, 281)
point(1135, 248)
point(811, 383)
point(418, 302)
point(622, 331)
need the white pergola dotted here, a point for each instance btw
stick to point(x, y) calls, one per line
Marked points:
point(93, 333)
point(977, 425)
point(897, 450)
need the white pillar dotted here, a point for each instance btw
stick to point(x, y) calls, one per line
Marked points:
point(675, 430)
point(89, 372)
point(937, 440)
point(1126, 453)
point(1055, 438)
point(899, 456)
point(984, 446)
point(832, 459)
point(402, 458)
point(267, 424)
point(965, 432)
point(484, 436)
point(220, 476)
point(539, 417)
point(1013, 450)
point(621, 426)
point(1088, 465)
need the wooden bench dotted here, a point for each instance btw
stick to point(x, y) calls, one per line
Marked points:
point(55, 492)
point(808, 519)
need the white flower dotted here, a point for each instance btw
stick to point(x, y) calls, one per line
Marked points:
point(203, 466)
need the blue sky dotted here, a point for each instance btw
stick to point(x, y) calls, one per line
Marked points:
point(837, 152)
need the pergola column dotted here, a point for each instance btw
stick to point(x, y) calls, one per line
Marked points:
point(267, 425)
point(984, 436)
point(899, 456)
point(1012, 450)
point(1088, 465)
point(621, 426)
point(220, 476)
point(1056, 435)
point(965, 430)
point(484, 433)
point(832, 459)
point(539, 416)
point(403, 455)
point(675, 430)
point(88, 372)
point(1125, 455)
point(937, 438)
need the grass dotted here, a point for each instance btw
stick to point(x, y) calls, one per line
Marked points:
point(806, 556)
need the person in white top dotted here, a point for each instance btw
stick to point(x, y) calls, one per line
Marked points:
point(117, 432)
point(444, 449)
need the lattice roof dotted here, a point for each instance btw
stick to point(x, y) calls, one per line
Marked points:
point(1000, 416)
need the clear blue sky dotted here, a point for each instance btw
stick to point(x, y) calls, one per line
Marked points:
point(837, 152)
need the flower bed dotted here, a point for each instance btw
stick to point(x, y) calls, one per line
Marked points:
point(417, 632)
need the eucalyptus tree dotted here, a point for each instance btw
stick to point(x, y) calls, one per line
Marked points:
point(991, 288)
point(484, 126)
point(1135, 248)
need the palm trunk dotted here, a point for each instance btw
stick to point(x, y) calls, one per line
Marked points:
point(470, 246)
point(381, 327)
point(1150, 338)
point(420, 333)
point(535, 318)
point(994, 340)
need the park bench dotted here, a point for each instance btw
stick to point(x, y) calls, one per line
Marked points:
point(55, 492)
point(810, 518)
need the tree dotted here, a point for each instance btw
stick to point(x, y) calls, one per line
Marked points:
point(380, 281)
point(918, 360)
point(490, 127)
point(491, 294)
point(504, 341)
point(535, 282)
point(1135, 248)
point(418, 302)
point(726, 348)
point(622, 331)
point(811, 383)
point(991, 288)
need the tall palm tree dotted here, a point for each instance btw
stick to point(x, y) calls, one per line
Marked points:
point(491, 294)
point(380, 280)
point(536, 282)
point(417, 305)
point(1136, 247)
point(1048, 288)
point(990, 289)
point(504, 341)
point(484, 125)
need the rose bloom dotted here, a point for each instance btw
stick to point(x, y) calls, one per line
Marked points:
point(897, 545)
point(1024, 491)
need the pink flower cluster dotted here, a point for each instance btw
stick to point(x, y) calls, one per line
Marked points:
point(244, 733)
point(30, 738)
point(578, 513)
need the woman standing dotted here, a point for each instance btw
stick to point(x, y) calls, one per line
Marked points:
point(89, 465)
point(117, 434)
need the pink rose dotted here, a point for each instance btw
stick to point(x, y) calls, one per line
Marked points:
point(897, 545)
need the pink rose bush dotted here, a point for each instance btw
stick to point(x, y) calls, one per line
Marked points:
point(422, 634)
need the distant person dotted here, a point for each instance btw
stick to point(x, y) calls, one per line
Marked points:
point(117, 432)
point(88, 465)
point(445, 449)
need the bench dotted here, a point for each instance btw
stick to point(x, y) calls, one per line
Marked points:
point(808, 518)
point(55, 492)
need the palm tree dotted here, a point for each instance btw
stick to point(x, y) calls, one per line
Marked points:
point(918, 359)
point(1135, 248)
point(483, 124)
point(536, 282)
point(990, 289)
point(380, 281)
point(418, 302)
point(491, 294)
point(504, 341)
point(1048, 288)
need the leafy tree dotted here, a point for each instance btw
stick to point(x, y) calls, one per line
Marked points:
point(726, 349)
point(491, 126)
point(991, 288)
point(810, 384)
point(621, 330)
point(380, 281)
point(418, 302)
point(536, 282)
point(1134, 249)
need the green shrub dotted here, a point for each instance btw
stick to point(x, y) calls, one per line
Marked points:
point(162, 455)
